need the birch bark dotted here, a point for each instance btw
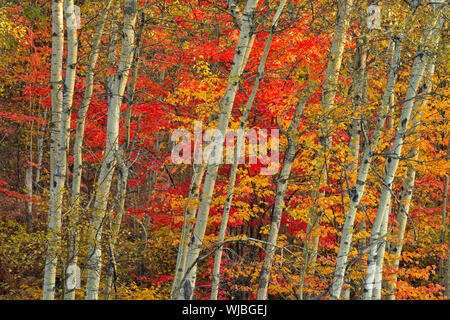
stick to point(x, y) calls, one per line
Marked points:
point(430, 37)
point(246, 34)
point(109, 161)
point(190, 211)
point(282, 185)
point(54, 219)
point(73, 216)
point(123, 166)
point(29, 188)
point(406, 193)
point(237, 149)
point(327, 103)
point(378, 280)
point(445, 271)
point(358, 190)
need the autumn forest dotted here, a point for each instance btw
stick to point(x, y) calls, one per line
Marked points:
point(224, 150)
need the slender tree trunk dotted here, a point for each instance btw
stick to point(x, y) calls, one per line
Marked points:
point(444, 210)
point(122, 181)
point(357, 192)
point(40, 154)
point(241, 53)
point(376, 294)
point(406, 193)
point(327, 103)
point(29, 191)
point(56, 79)
point(282, 184)
point(443, 277)
point(112, 51)
point(73, 216)
point(190, 212)
point(109, 160)
point(359, 98)
point(444, 271)
point(123, 167)
point(237, 149)
point(431, 32)
point(54, 221)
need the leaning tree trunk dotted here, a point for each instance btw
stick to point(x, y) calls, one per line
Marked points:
point(123, 167)
point(237, 149)
point(357, 191)
point(73, 216)
point(378, 280)
point(190, 210)
point(327, 103)
point(406, 193)
point(358, 99)
point(242, 50)
point(109, 161)
point(417, 70)
point(282, 184)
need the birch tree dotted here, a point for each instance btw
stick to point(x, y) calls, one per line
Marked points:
point(123, 163)
point(444, 272)
point(73, 216)
point(282, 184)
point(190, 211)
point(109, 160)
point(406, 192)
point(327, 103)
point(199, 169)
point(60, 118)
point(329, 93)
point(242, 51)
point(29, 187)
point(429, 38)
point(356, 193)
point(237, 149)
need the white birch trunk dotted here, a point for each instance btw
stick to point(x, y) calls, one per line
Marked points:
point(40, 154)
point(407, 190)
point(376, 294)
point(60, 175)
point(122, 181)
point(123, 167)
point(417, 70)
point(241, 52)
point(109, 160)
point(282, 185)
point(327, 103)
point(54, 221)
point(357, 192)
point(240, 138)
point(73, 216)
point(29, 191)
point(359, 97)
point(190, 212)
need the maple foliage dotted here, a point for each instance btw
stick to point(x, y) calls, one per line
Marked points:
point(188, 50)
